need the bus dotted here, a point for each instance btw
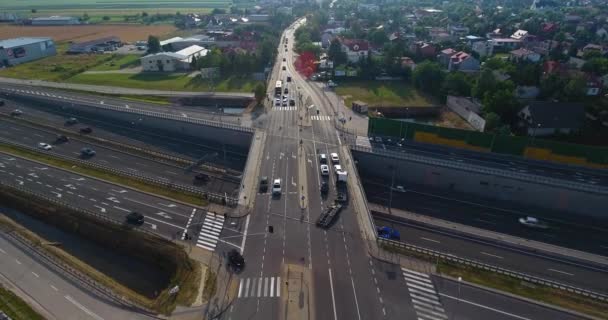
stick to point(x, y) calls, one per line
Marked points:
point(278, 87)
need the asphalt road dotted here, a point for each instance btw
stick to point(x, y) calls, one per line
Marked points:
point(134, 164)
point(493, 254)
point(45, 110)
point(505, 162)
point(61, 297)
point(468, 302)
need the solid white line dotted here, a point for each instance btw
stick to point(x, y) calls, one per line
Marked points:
point(278, 286)
point(333, 298)
point(485, 307)
point(122, 209)
point(241, 287)
point(54, 288)
point(338, 135)
point(558, 271)
point(431, 240)
point(352, 282)
point(35, 274)
point(81, 307)
point(271, 287)
point(2, 251)
point(491, 255)
point(245, 237)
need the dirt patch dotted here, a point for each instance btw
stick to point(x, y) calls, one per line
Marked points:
point(79, 33)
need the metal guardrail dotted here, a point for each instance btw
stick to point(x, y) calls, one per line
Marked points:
point(476, 264)
point(139, 112)
point(484, 170)
point(211, 196)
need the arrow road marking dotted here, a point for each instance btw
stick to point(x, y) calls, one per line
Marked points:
point(170, 205)
point(69, 186)
point(79, 179)
point(57, 193)
point(33, 175)
point(164, 215)
point(113, 199)
point(102, 209)
point(20, 182)
point(41, 168)
point(119, 191)
point(152, 225)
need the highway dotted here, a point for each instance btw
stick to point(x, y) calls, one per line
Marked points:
point(120, 160)
point(45, 110)
point(59, 297)
point(494, 254)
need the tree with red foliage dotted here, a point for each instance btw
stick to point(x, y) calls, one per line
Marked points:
point(305, 64)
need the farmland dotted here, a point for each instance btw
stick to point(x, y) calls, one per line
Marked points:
point(127, 32)
point(111, 4)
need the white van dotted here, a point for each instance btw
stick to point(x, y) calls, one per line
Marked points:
point(276, 187)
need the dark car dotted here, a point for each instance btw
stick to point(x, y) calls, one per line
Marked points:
point(135, 218)
point(71, 121)
point(283, 59)
point(286, 91)
point(324, 187)
point(236, 261)
point(61, 139)
point(2, 101)
point(16, 113)
point(283, 67)
point(292, 102)
point(264, 184)
point(87, 152)
point(201, 178)
point(388, 233)
point(86, 130)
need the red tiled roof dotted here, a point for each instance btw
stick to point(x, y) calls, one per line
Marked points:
point(448, 51)
point(459, 57)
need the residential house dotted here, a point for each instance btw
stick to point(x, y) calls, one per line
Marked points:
point(505, 44)
point(593, 48)
point(462, 61)
point(604, 80)
point(424, 49)
point(172, 61)
point(483, 48)
point(368, 7)
point(523, 54)
point(494, 34)
point(439, 34)
point(458, 31)
point(355, 49)
point(519, 35)
point(192, 20)
point(543, 118)
point(543, 47)
point(407, 62)
point(593, 85)
point(573, 19)
point(445, 55)
point(549, 27)
point(326, 39)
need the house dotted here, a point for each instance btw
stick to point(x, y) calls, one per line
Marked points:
point(483, 48)
point(543, 118)
point(523, 54)
point(445, 55)
point(593, 48)
point(494, 34)
point(326, 39)
point(192, 20)
point(519, 35)
point(505, 44)
point(355, 49)
point(257, 18)
point(604, 80)
point(571, 18)
point(407, 62)
point(423, 49)
point(439, 34)
point(96, 45)
point(462, 61)
point(172, 61)
point(549, 27)
point(368, 7)
point(458, 31)
point(593, 85)
point(543, 47)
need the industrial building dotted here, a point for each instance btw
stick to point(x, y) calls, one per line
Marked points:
point(20, 50)
point(55, 21)
point(97, 45)
point(172, 61)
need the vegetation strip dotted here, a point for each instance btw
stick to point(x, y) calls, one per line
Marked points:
point(76, 167)
point(15, 307)
point(171, 257)
point(518, 287)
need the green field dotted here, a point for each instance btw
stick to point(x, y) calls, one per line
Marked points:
point(381, 93)
point(126, 61)
point(16, 308)
point(111, 4)
point(169, 82)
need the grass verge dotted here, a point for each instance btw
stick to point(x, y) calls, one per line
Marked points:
point(514, 286)
point(15, 307)
point(118, 61)
point(210, 285)
point(381, 93)
point(150, 248)
point(165, 101)
point(105, 175)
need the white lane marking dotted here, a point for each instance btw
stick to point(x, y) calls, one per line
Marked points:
point(563, 272)
point(431, 240)
point(241, 287)
point(338, 135)
point(247, 287)
point(81, 307)
point(102, 209)
point(271, 287)
point(121, 209)
point(2, 251)
point(35, 274)
point(333, 298)
point(259, 287)
point(164, 215)
point(355, 293)
point(54, 288)
point(485, 307)
point(491, 255)
point(278, 286)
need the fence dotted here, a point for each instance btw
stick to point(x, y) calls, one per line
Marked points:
point(433, 159)
point(476, 264)
point(213, 197)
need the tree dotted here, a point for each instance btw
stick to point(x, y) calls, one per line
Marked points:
point(378, 36)
point(575, 89)
point(485, 83)
point(153, 44)
point(260, 92)
point(502, 102)
point(428, 77)
point(598, 66)
point(335, 52)
point(85, 17)
point(34, 10)
point(492, 122)
point(144, 14)
point(106, 18)
point(457, 83)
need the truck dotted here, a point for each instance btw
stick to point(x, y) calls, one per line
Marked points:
point(329, 215)
point(341, 190)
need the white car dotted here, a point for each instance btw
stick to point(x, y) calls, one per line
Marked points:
point(44, 146)
point(533, 223)
point(276, 187)
point(334, 157)
point(337, 168)
point(324, 169)
point(399, 189)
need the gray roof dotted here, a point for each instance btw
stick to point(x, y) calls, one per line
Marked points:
point(557, 114)
point(54, 18)
point(11, 43)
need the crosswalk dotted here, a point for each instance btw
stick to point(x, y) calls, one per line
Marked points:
point(210, 231)
point(285, 108)
point(424, 296)
point(261, 287)
point(320, 118)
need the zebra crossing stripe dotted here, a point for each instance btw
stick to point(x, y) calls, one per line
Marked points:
point(278, 286)
point(247, 288)
point(271, 286)
point(428, 306)
point(265, 287)
point(424, 297)
point(430, 312)
point(419, 282)
point(412, 272)
point(259, 286)
point(241, 287)
point(421, 288)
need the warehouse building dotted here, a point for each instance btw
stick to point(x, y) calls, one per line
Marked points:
point(21, 50)
point(98, 45)
point(55, 21)
point(172, 61)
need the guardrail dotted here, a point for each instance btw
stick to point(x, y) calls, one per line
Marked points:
point(211, 196)
point(476, 264)
point(484, 170)
point(139, 112)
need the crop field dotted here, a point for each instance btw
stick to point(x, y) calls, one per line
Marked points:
point(126, 32)
point(110, 4)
